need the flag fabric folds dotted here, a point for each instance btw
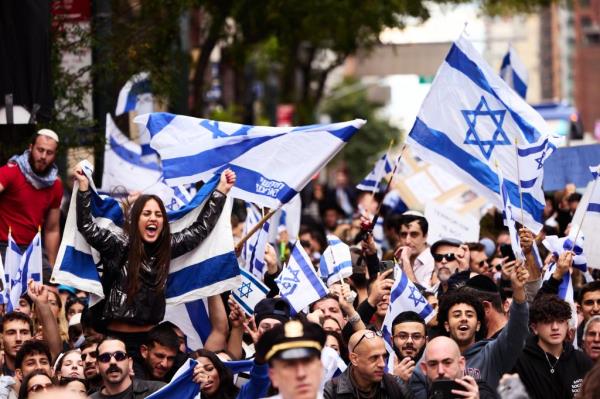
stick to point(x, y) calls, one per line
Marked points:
point(193, 320)
point(298, 282)
point(30, 267)
point(250, 292)
point(253, 251)
point(336, 261)
point(509, 219)
point(382, 167)
point(471, 119)
point(558, 245)
point(209, 269)
point(265, 159)
point(12, 261)
point(181, 385)
point(593, 206)
point(514, 72)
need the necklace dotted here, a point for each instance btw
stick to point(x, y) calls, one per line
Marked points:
point(552, 366)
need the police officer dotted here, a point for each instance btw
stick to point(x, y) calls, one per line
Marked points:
point(293, 351)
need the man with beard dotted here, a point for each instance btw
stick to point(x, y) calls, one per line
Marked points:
point(450, 258)
point(30, 195)
point(115, 368)
point(90, 367)
point(409, 339)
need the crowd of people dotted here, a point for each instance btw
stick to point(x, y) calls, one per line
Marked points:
point(501, 328)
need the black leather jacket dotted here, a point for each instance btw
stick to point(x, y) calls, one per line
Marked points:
point(148, 305)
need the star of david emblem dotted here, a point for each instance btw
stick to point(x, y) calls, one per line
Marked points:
point(416, 296)
point(288, 281)
point(245, 290)
point(540, 160)
point(499, 135)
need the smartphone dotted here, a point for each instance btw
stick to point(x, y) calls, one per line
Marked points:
point(442, 389)
point(507, 252)
point(386, 265)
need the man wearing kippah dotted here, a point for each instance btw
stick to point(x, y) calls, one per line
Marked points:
point(30, 195)
point(293, 351)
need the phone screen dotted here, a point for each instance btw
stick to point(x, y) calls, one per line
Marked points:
point(507, 252)
point(442, 389)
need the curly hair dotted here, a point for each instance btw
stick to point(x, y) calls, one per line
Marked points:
point(549, 308)
point(456, 297)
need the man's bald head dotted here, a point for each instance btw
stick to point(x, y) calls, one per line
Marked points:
point(442, 359)
point(368, 355)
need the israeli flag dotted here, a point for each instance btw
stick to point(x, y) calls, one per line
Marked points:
point(298, 282)
point(469, 119)
point(336, 262)
point(181, 385)
point(509, 219)
point(250, 292)
point(253, 251)
point(30, 267)
point(4, 283)
point(272, 163)
point(514, 72)
point(333, 365)
point(371, 182)
point(404, 296)
point(137, 96)
point(557, 246)
point(209, 269)
point(193, 320)
point(593, 206)
point(12, 260)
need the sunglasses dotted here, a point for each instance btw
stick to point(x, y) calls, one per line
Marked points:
point(449, 257)
point(368, 335)
point(92, 355)
point(118, 355)
point(39, 387)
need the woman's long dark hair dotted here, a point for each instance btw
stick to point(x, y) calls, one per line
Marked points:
point(137, 250)
point(227, 389)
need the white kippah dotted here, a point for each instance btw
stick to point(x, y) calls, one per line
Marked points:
point(48, 133)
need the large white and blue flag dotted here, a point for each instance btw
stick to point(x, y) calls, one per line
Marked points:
point(470, 119)
point(181, 385)
point(12, 261)
point(253, 251)
point(514, 72)
point(336, 262)
point(272, 163)
point(509, 219)
point(298, 282)
point(371, 182)
point(4, 283)
point(209, 269)
point(193, 320)
point(30, 268)
point(250, 292)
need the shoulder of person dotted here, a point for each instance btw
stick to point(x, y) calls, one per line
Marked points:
point(140, 385)
point(485, 391)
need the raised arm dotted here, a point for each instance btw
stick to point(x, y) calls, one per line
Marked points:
point(217, 339)
point(39, 295)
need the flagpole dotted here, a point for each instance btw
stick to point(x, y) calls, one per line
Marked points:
point(258, 225)
point(519, 180)
point(389, 186)
point(585, 213)
point(378, 178)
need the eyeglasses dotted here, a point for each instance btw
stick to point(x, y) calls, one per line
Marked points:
point(92, 355)
point(39, 387)
point(118, 355)
point(405, 336)
point(368, 335)
point(449, 257)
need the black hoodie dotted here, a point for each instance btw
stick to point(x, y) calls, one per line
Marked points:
point(534, 370)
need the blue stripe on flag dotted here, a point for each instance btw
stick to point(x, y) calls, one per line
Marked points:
point(200, 196)
point(308, 271)
point(254, 281)
point(344, 133)
point(79, 264)
point(207, 272)
point(532, 150)
point(399, 288)
point(528, 183)
point(130, 156)
point(519, 86)
point(199, 318)
point(593, 207)
point(247, 180)
point(438, 142)
point(107, 208)
point(341, 266)
point(212, 158)
point(459, 61)
point(157, 121)
point(239, 366)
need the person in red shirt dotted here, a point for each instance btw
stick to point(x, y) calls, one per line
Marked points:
point(30, 195)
